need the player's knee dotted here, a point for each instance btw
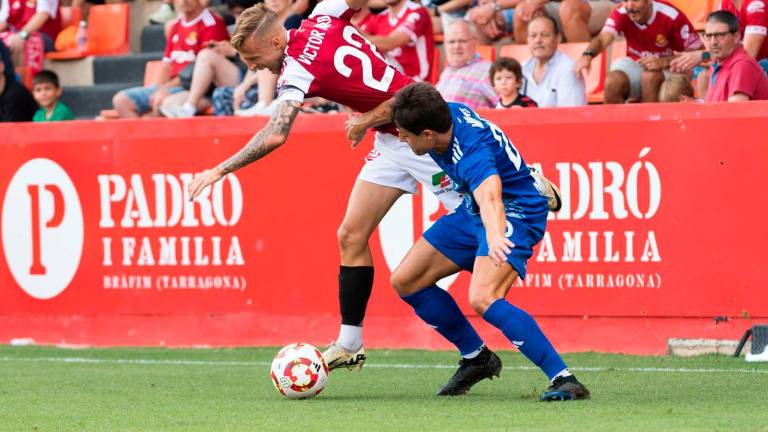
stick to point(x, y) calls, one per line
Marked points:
point(350, 238)
point(402, 283)
point(481, 300)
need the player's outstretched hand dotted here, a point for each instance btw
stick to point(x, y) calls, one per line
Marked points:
point(498, 250)
point(203, 180)
point(355, 128)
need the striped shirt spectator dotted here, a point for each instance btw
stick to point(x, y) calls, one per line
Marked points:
point(465, 77)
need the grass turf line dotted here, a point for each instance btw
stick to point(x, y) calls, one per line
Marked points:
point(231, 391)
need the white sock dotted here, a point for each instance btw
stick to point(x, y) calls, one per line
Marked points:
point(563, 373)
point(474, 353)
point(189, 109)
point(350, 337)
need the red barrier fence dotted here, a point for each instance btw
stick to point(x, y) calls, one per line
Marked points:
point(660, 232)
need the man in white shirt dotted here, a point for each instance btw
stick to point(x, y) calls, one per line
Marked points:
point(549, 76)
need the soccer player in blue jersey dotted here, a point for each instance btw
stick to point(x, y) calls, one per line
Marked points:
point(492, 235)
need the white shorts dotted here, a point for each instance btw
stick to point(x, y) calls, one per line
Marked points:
point(633, 70)
point(392, 163)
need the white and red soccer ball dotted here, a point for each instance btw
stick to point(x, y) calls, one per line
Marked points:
point(299, 371)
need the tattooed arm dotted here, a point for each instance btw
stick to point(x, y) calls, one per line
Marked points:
point(272, 136)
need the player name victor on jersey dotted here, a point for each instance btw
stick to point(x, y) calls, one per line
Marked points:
point(315, 39)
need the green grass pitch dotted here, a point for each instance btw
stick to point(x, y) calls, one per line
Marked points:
point(51, 389)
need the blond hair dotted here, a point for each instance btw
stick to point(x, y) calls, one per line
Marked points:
point(253, 19)
point(674, 88)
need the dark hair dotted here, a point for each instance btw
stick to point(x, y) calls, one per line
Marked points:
point(507, 63)
point(550, 19)
point(725, 17)
point(46, 77)
point(420, 106)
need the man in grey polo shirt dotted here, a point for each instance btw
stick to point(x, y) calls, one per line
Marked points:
point(549, 76)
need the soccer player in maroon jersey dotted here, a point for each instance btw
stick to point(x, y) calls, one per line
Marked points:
point(328, 57)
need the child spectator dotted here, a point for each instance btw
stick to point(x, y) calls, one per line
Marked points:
point(46, 90)
point(677, 88)
point(507, 77)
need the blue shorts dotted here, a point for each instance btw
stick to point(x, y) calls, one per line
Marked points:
point(140, 96)
point(460, 236)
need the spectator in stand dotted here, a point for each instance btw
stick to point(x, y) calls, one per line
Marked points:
point(445, 12)
point(736, 75)
point(655, 31)
point(549, 76)
point(218, 65)
point(29, 29)
point(507, 76)
point(403, 32)
point(579, 19)
point(677, 88)
point(753, 27)
point(16, 103)
point(46, 90)
point(465, 77)
point(196, 29)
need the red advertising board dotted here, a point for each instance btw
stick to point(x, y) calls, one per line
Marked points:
point(662, 218)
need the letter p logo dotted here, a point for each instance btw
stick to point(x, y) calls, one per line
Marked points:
point(42, 228)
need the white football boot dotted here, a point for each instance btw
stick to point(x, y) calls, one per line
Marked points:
point(336, 357)
point(547, 189)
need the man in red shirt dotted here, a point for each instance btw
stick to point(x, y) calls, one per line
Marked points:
point(736, 76)
point(655, 31)
point(194, 30)
point(403, 32)
point(20, 19)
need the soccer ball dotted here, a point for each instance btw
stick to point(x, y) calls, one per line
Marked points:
point(299, 371)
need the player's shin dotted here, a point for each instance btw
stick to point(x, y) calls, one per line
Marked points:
point(438, 309)
point(355, 285)
point(521, 329)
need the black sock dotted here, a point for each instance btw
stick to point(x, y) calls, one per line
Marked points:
point(355, 285)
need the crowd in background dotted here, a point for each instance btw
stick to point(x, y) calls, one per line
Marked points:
point(665, 56)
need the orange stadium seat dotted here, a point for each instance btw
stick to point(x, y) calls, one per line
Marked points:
point(487, 52)
point(521, 53)
point(696, 10)
point(435, 72)
point(108, 33)
point(595, 81)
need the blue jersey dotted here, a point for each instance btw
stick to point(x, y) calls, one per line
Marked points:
point(478, 150)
